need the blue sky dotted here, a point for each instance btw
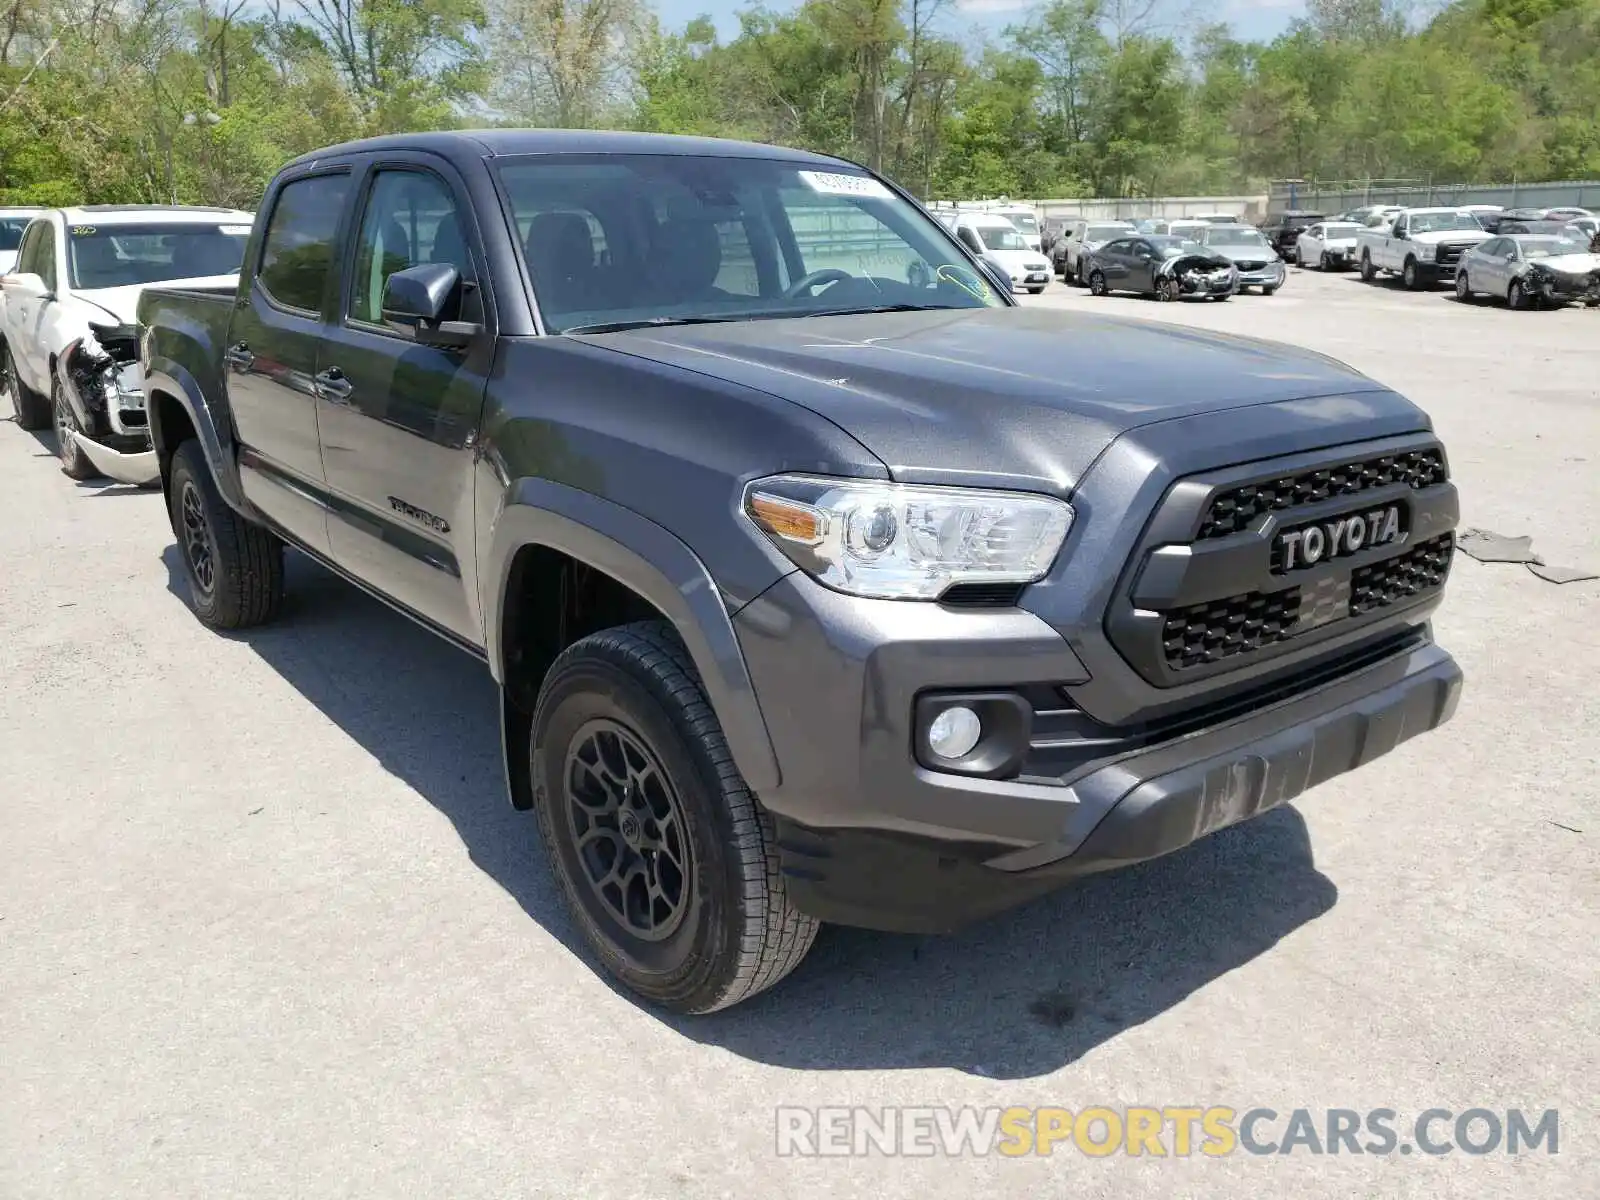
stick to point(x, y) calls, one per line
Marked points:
point(1253, 19)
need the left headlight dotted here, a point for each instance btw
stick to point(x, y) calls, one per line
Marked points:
point(907, 541)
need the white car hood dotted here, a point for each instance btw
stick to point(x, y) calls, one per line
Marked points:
point(122, 303)
point(1015, 261)
point(1570, 264)
point(1464, 237)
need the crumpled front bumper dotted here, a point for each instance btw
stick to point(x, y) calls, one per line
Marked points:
point(139, 469)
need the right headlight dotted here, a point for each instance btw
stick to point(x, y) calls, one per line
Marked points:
point(907, 541)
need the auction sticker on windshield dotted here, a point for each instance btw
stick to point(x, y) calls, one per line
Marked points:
point(831, 184)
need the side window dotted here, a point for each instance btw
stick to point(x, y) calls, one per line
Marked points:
point(1315, 233)
point(970, 239)
point(411, 219)
point(298, 253)
point(47, 255)
point(27, 252)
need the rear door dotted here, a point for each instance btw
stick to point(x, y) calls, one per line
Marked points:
point(399, 419)
point(270, 361)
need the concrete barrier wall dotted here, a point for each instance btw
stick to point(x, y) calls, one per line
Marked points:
point(1336, 197)
point(1248, 208)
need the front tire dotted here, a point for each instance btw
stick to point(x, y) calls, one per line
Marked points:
point(667, 862)
point(29, 408)
point(1463, 288)
point(1517, 297)
point(1268, 291)
point(234, 566)
point(1410, 276)
point(1368, 271)
point(75, 464)
point(1097, 283)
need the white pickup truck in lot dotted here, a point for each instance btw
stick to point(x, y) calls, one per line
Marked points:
point(1421, 245)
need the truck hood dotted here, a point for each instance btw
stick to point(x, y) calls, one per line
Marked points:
point(1023, 397)
point(123, 302)
point(1451, 237)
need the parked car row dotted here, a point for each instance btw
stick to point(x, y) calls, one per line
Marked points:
point(766, 655)
point(1543, 256)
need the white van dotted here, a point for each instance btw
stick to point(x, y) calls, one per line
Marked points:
point(992, 236)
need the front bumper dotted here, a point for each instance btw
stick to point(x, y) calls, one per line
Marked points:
point(138, 468)
point(1565, 289)
point(1271, 275)
point(870, 837)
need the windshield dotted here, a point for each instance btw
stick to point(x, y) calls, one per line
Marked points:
point(11, 231)
point(1104, 233)
point(108, 256)
point(1341, 229)
point(1002, 237)
point(638, 239)
point(1545, 247)
point(1231, 235)
point(1024, 221)
point(1442, 222)
point(1176, 247)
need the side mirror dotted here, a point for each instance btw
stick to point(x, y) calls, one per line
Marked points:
point(1399, 235)
point(425, 301)
point(27, 284)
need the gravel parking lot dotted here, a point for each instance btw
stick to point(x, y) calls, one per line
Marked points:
point(268, 928)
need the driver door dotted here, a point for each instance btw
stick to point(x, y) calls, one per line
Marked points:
point(398, 420)
point(1141, 274)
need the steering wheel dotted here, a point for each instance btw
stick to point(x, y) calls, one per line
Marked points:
point(816, 279)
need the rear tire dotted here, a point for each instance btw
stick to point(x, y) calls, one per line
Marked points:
point(234, 566)
point(75, 464)
point(667, 862)
point(30, 409)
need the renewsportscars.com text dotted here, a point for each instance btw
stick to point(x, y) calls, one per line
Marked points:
point(1176, 1131)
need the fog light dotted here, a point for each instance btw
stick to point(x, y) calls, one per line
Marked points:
point(954, 732)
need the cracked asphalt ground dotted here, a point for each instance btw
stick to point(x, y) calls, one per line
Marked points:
point(268, 928)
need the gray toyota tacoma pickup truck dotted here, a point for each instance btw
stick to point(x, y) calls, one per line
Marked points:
point(821, 581)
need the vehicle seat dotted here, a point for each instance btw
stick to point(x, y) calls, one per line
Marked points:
point(449, 246)
point(560, 253)
point(686, 258)
point(96, 262)
point(200, 255)
point(396, 248)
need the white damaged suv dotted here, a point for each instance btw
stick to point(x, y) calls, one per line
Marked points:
point(69, 352)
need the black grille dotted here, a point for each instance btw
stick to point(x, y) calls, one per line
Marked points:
point(1219, 629)
point(1249, 265)
point(1393, 580)
point(1232, 511)
point(982, 595)
point(1450, 254)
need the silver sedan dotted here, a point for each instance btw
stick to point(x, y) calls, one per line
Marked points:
point(1531, 270)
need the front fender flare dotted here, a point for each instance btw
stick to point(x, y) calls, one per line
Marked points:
point(652, 561)
point(171, 378)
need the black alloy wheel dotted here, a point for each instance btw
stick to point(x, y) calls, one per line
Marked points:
point(627, 827)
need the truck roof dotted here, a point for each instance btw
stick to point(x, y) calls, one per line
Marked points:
point(480, 143)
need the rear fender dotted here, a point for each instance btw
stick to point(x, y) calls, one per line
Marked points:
point(171, 379)
point(658, 566)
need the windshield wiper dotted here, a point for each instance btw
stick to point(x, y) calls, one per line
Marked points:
point(874, 308)
point(649, 323)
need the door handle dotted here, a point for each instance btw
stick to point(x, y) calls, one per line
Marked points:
point(333, 386)
point(238, 355)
